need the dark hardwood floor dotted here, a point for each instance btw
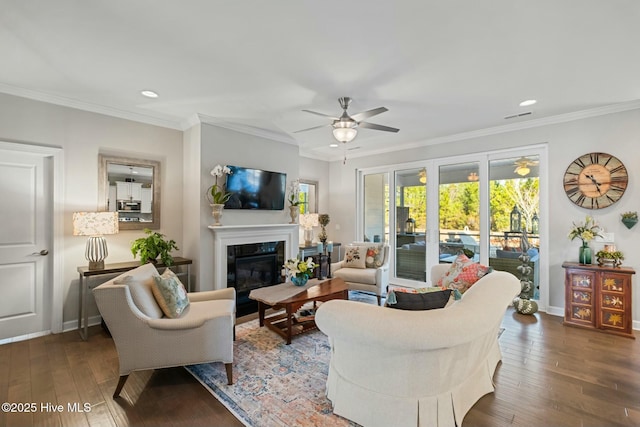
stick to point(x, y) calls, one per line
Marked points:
point(551, 375)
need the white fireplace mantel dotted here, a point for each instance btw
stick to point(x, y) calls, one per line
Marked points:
point(229, 235)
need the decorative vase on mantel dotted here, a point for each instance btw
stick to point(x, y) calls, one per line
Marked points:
point(584, 256)
point(294, 211)
point(216, 211)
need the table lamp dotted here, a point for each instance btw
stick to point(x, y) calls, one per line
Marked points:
point(95, 225)
point(308, 221)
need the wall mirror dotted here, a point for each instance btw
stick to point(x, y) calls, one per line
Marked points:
point(130, 187)
point(308, 196)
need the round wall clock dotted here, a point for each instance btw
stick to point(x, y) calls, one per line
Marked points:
point(595, 180)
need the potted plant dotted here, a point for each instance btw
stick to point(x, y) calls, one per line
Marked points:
point(294, 200)
point(153, 246)
point(629, 219)
point(609, 257)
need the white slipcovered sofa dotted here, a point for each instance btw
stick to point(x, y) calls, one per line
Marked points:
point(374, 280)
point(393, 367)
point(146, 339)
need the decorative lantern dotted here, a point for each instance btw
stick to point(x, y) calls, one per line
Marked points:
point(411, 226)
point(535, 224)
point(516, 219)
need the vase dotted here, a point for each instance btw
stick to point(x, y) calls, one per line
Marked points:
point(293, 212)
point(629, 222)
point(299, 280)
point(584, 257)
point(216, 211)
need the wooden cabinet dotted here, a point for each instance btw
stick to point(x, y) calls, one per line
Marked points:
point(598, 297)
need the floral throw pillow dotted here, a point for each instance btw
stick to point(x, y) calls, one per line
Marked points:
point(170, 294)
point(463, 274)
point(374, 256)
point(354, 257)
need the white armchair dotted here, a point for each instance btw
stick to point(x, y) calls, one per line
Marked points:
point(431, 366)
point(145, 339)
point(374, 280)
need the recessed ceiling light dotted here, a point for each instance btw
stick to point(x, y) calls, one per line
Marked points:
point(334, 145)
point(528, 102)
point(149, 94)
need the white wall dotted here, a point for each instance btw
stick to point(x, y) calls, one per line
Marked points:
point(617, 134)
point(227, 147)
point(82, 135)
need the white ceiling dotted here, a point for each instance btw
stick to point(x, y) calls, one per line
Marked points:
point(442, 68)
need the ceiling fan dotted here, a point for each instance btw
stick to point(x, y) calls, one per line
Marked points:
point(522, 165)
point(345, 126)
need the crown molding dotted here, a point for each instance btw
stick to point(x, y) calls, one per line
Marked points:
point(247, 129)
point(512, 127)
point(86, 106)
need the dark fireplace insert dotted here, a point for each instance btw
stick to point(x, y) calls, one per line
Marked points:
point(252, 266)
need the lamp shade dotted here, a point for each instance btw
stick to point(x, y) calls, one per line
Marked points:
point(309, 220)
point(95, 223)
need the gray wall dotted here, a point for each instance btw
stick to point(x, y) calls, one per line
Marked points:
point(82, 135)
point(617, 134)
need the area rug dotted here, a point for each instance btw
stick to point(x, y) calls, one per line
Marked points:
point(276, 384)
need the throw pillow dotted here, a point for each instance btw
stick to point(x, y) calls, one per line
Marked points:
point(374, 256)
point(421, 301)
point(170, 294)
point(354, 257)
point(463, 274)
point(142, 294)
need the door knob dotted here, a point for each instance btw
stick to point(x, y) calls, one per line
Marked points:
point(43, 252)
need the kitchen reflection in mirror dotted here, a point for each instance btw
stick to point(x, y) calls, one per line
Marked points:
point(131, 188)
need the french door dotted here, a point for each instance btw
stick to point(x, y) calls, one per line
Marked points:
point(486, 205)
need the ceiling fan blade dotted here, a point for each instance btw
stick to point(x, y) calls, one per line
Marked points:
point(369, 113)
point(321, 114)
point(315, 127)
point(377, 127)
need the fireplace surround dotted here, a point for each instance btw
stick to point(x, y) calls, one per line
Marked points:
point(226, 236)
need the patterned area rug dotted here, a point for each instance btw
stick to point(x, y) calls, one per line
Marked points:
point(275, 384)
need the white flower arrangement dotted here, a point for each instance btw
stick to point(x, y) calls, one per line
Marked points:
point(294, 193)
point(217, 194)
point(586, 231)
point(300, 268)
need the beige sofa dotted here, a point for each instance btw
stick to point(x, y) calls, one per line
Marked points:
point(415, 368)
point(374, 280)
point(145, 339)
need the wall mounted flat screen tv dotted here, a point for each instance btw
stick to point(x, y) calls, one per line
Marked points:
point(255, 189)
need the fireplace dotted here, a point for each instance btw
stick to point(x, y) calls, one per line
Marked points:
point(285, 236)
point(252, 266)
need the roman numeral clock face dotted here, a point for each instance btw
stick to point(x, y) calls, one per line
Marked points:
point(595, 180)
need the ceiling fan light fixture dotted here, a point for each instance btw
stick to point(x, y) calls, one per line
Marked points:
point(344, 134)
point(523, 170)
point(473, 176)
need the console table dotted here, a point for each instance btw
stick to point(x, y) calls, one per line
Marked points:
point(598, 297)
point(111, 269)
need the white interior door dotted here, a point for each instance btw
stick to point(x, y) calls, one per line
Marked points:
point(25, 296)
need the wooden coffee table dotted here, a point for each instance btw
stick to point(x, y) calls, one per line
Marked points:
point(290, 298)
